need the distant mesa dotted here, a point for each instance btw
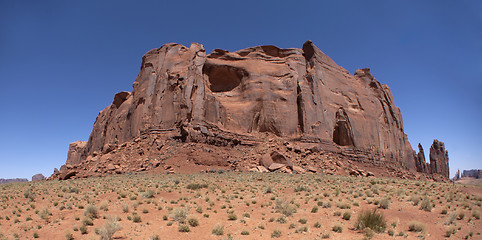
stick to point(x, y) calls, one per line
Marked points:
point(38, 177)
point(2, 180)
point(191, 111)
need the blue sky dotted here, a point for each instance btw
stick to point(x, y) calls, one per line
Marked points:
point(61, 62)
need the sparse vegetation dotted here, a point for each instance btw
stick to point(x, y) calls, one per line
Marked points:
point(258, 205)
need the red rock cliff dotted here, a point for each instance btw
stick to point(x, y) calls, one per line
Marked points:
point(227, 98)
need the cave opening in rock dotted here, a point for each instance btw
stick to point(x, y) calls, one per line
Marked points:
point(223, 78)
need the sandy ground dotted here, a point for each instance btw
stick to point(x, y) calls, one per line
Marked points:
point(245, 204)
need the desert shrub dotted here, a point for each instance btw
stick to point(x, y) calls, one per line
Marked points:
point(281, 220)
point(302, 221)
point(83, 229)
point(461, 215)
point(232, 217)
point(125, 208)
point(284, 207)
point(451, 219)
point(180, 214)
point(450, 231)
point(29, 195)
point(218, 230)
point(104, 206)
point(426, 205)
point(371, 219)
point(109, 228)
point(44, 214)
point(148, 194)
point(276, 234)
point(385, 203)
point(192, 221)
point(317, 225)
point(314, 209)
point(415, 200)
point(415, 226)
point(346, 215)
point(35, 235)
point(301, 188)
point(244, 232)
point(68, 236)
point(136, 218)
point(91, 211)
point(87, 222)
point(325, 235)
point(302, 229)
point(195, 186)
point(476, 214)
point(154, 237)
point(337, 228)
point(183, 228)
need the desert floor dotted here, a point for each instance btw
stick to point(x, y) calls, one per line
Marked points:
point(228, 205)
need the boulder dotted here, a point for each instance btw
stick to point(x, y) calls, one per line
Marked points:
point(275, 166)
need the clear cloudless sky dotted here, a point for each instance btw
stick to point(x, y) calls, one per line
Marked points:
point(61, 62)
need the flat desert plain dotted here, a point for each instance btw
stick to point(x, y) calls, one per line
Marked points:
point(231, 205)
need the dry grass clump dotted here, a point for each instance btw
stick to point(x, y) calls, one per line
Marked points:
point(371, 219)
point(415, 226)
point(284, 207)
point(91, 211)
point(109, 228)
point(218, 230)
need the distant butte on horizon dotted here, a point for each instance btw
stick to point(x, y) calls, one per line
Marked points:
point(257, 109)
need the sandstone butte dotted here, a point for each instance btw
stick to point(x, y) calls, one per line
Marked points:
point(257, 109)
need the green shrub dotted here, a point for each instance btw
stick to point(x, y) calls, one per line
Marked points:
point(337, 228)
point(183, 228)
point(371, 219)
point(69, 236)
point(244, 232)
point(346, 215)
point(276, 234)
point(192, 221)
point(83, 229)
point(232, 217)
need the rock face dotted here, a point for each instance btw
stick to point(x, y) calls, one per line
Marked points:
point(38, 177)
point(246, 98)
point(439, 159)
